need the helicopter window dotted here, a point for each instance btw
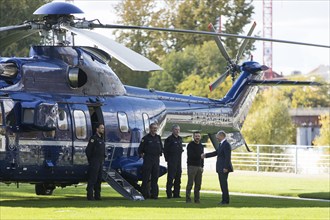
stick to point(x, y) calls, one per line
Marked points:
point(8, 70)
point(80, 123)
point(123, 121)
point(28, 116)
point(146, 122)
point(1, 115)
point(62, 120)
point(9, 113)
point(77, 77)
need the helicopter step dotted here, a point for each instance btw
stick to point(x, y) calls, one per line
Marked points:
point(118, 183)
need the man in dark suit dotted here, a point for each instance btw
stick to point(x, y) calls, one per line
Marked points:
point(224, 166)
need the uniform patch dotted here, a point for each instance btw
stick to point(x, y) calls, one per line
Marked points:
point(92, 140)
point(142, 140)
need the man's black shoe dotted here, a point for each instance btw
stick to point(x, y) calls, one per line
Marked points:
point(176, 196)
point(98, 198)
point(223, 203)
point(90, 199)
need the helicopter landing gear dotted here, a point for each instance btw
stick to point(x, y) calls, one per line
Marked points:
point(44, 189)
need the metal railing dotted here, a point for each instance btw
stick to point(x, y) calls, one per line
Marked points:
point(276, 158)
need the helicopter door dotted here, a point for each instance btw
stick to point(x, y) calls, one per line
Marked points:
point(96, 116)
point(2, 130)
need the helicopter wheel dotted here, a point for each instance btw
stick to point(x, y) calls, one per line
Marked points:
point(44, 189)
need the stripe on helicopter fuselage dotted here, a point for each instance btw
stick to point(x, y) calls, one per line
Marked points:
point(69, 143)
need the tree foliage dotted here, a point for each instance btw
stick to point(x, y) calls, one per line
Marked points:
point(238, 14)
point(15, 12)
point(324, 138)
point(201, 63)
point(187, 14)
point(269, 121)
point(307, 96)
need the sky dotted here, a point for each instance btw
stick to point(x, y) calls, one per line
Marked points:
point(295, 20)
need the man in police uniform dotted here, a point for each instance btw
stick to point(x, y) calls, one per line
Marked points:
point(173, 154)
point(150, 149)
point(95, 153)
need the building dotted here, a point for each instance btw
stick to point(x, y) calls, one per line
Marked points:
point(308, 125)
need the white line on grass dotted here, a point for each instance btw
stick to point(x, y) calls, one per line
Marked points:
point(261, 195)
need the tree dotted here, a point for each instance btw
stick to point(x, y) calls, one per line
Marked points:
point(15, 12)
point(177, 65)
point(307, 96)
point(324, 138)
point(205, 61)
point(238, 14)
point(148, 43)
point(187, 14)
point(141, 13)
point(195, 85)
point(269, 121)
point(162, 81)
point(197, 14)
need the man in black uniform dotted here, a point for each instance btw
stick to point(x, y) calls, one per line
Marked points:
point(195, 167)
point(173, 154)
point(95, 152)
point(150, 149)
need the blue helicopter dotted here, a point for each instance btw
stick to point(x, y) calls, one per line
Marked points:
point(51, 101)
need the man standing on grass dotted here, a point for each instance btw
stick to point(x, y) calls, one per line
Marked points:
point(173, 154)
point(224, 166)
point(95, 152)
point(150, 149)
point(195, 167)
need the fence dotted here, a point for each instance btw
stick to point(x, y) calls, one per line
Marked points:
point(284, 158)
point(276, 158)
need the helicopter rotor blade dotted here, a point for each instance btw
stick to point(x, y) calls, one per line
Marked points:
point(114, 26)
point(14, 36)
point(16, 27)
point(244, 43)
point(222, 78)
point(131, 59)
point(220, 45)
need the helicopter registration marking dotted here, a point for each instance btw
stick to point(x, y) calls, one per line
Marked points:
point(3, 143)
point(211, 118)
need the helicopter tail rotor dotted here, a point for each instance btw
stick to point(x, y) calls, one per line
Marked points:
point(232, 68)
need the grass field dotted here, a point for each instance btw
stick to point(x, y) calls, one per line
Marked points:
point(70, 202)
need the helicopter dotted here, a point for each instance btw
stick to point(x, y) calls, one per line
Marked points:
point(51, 101)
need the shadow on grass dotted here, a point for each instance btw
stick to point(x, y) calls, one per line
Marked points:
point(207, 201)
point(316, 195)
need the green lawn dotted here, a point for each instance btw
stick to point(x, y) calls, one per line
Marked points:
point(70, 202)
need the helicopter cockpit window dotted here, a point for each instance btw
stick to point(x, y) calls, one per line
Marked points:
point(146, 122)
point(80, 124)
point(123, 121)
point(8, 70)
point(62, 120)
